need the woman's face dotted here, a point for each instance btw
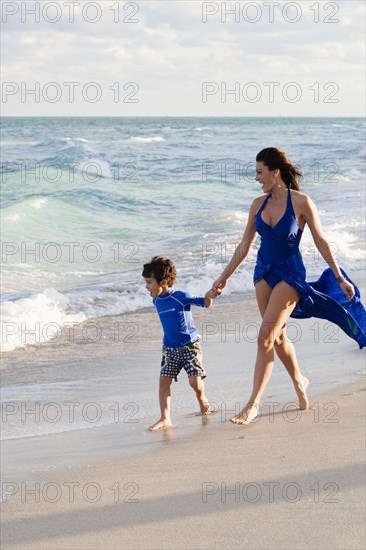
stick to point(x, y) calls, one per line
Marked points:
point(265, 176)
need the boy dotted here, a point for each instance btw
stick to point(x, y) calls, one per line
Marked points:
point(181, 346)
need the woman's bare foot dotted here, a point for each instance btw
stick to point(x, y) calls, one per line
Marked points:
point(161, 424)
point(301, 393)
point(246, 415)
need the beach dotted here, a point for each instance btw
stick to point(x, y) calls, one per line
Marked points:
point(289, 480)
point(142, 129)
point(86, 202)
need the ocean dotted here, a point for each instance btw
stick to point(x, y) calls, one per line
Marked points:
point(87, 201)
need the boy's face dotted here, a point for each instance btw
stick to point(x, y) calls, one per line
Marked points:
point(154, 287)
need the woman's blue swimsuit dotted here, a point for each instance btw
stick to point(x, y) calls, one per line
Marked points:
point(279, 259)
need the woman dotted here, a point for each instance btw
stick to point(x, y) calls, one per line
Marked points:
point(279, 276)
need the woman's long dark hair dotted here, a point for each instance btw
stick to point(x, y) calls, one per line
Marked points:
point(274, 158)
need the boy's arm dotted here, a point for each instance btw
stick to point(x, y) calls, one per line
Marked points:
point(202, 301)
point(211, 295)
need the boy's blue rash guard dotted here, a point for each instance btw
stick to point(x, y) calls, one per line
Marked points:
point(174, 308)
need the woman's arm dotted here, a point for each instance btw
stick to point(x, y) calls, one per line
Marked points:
point(242, 250)
point(311, 216)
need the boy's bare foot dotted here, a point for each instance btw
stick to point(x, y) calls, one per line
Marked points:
point(301, 393)
point(160, 425)
point(246, 415)
point(205, 408)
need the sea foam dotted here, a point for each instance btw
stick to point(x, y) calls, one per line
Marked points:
point(35, 319)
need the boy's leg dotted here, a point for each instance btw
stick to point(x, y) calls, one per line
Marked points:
point(164, 400)
point(197, 384)
point(192, 362)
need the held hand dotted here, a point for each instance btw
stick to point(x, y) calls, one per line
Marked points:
point(209, 296)
point(212, 294)
point(219, 285)
point(347, 289)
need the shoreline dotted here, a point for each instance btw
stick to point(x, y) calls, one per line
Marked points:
point(113, 385)
point(124, 327)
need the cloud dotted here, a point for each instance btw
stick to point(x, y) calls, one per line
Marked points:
point(170, 48)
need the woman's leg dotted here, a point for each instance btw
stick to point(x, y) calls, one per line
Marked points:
point(284, 348)
point(286, 352)
point(281, 300)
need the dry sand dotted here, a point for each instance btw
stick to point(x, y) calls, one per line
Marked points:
point(276, 484)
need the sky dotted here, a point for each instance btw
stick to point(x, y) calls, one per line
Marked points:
point(183, 58)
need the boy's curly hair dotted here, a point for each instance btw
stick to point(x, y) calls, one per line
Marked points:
point(160, 268)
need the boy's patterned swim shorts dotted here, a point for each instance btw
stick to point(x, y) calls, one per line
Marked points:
point(187, 357)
